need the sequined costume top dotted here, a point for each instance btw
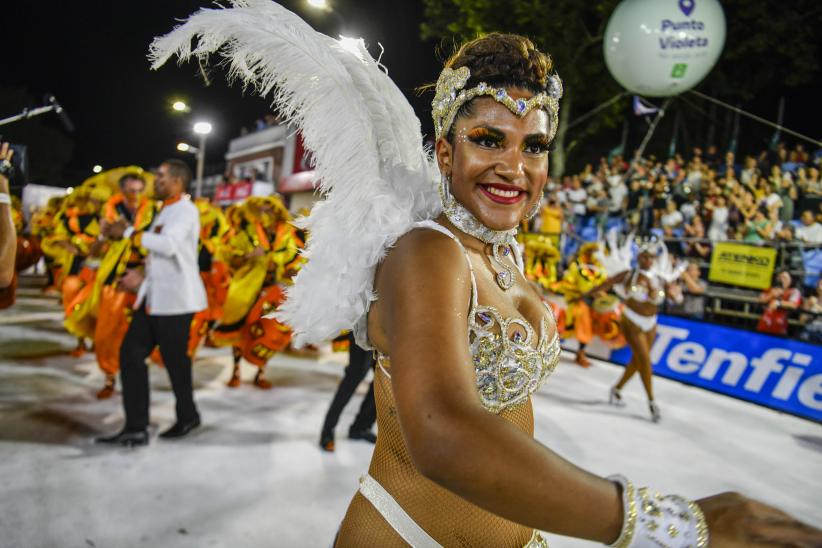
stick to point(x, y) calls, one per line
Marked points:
point(509, 367)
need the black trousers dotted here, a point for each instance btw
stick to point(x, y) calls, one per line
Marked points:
point(145, 332)
point(359, 362)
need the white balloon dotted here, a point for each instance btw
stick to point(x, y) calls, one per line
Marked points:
point(660, 48)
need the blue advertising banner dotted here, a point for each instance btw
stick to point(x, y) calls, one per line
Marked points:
point(782, 374)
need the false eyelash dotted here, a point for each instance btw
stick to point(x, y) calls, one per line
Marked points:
point(542, 142)
point(482, 133)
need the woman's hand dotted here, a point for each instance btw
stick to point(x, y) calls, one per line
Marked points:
point(737, 521)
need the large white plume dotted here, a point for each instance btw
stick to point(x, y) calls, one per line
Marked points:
point(363, 135)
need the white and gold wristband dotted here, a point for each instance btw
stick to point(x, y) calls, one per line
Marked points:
point(652, 519)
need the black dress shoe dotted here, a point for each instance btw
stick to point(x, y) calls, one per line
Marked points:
point(327, 441)
point(128, 438)
point(364, 435)
point(181, 429)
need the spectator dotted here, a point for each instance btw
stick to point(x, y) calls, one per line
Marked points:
point(719, 221)
point(728, 169)
point(577, 198)
point(618, 192)
point(687, 295)
point(696, 248)
point(787, 233)
point(812, 320)
point(787, 196)
point(672, 218)
point(749, 172)
point(779, 300)
point(813, 186)
point(759, 228)
point(598, 205)
point(690, 210)
point(810, 230)
point(551, 219)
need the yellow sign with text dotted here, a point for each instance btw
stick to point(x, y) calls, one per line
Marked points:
point(742, 265)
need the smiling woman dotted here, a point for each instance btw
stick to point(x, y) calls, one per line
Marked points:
point(462, 340)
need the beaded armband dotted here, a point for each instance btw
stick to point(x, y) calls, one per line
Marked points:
point(651, 519)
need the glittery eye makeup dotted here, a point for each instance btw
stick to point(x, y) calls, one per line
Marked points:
point(485, 136)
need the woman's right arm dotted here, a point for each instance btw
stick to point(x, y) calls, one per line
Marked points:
point(425, 287)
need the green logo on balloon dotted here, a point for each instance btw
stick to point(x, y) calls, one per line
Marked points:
point(679, 70)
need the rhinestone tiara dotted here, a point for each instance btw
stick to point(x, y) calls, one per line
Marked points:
point(450, 96)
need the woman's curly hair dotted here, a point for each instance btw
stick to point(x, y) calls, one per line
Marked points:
point(504, 60)
point(501, 60)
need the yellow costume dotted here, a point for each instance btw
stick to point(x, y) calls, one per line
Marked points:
point(262, 251)
point(582, 275)
point(43, 224)
point(541, 258)
point(113, 311)
point(214, 272)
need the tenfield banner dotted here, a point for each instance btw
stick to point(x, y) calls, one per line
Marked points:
point(742, 265)
point(782, 374)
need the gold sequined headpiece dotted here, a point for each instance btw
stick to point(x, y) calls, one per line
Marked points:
point(450, 96)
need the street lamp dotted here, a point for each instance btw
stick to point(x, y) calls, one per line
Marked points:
point(180, 106)
point(318, 4)
point(97, 169)
point(185, 147)
point(202, 129)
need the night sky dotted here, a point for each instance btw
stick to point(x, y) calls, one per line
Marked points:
point(92, 55)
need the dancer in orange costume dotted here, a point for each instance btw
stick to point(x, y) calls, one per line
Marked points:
point(43, 224)
point(214, 272)
point(72, 243)
point(582, 275)
point(114, 308)
point(262, 251)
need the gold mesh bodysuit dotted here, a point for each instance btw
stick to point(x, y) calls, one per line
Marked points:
point(508, 371)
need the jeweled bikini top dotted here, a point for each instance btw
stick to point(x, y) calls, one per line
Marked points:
point(508, 368)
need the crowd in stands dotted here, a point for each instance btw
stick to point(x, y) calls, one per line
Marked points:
point(773, 196)
point(770, 198)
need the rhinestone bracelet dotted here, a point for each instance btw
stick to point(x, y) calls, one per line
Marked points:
point(652, 519)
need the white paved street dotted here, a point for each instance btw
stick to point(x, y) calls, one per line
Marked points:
point(254, 476)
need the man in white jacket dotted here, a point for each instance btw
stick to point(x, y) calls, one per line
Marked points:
point(169, 293)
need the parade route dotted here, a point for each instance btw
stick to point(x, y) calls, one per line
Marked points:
point(253, 475)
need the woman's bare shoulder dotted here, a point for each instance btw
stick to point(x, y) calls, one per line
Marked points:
point(424, 275)
point(428, 249)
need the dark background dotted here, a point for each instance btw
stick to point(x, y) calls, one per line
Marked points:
point(92, 56)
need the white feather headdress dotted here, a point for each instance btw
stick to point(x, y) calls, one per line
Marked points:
point(364, 138)
point(621, 257)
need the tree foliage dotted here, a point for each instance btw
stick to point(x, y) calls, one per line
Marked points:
point(768, 43)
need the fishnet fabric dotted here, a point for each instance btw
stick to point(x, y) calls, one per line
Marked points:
point(449, 519)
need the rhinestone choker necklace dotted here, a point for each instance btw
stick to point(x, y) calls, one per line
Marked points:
point(502, 241)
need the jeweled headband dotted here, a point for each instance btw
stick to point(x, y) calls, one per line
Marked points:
point(450, 96)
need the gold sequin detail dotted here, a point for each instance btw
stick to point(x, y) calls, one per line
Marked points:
point(509, 369)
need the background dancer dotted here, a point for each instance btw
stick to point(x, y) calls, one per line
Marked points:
point(115, 305)
point(582, 275)
point(262, 251)
point(359, 363)
point(643, 289)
